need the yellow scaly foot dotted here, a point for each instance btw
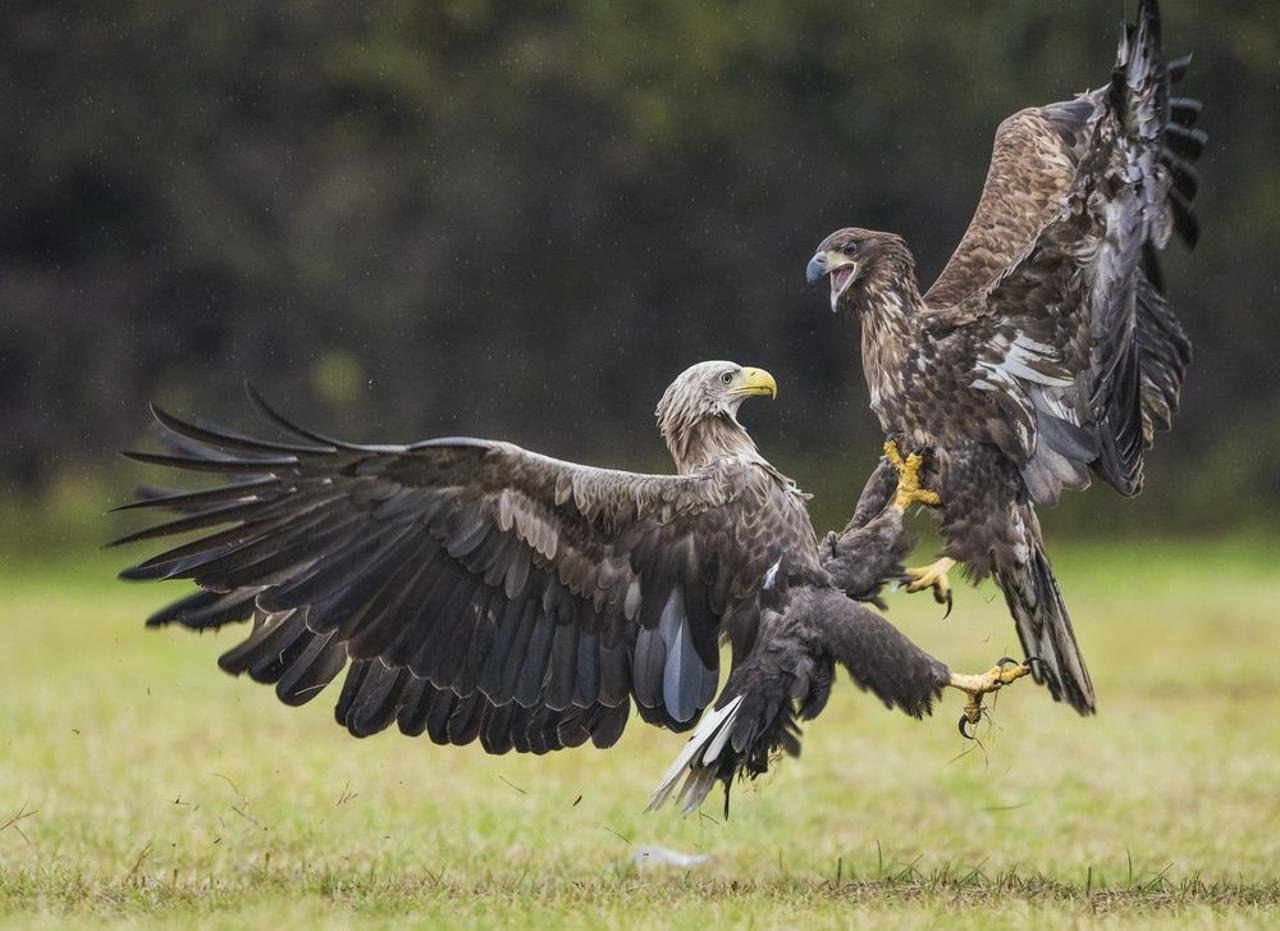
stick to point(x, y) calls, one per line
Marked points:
point(909, 490)
point(933, 576)
point(1005, 672)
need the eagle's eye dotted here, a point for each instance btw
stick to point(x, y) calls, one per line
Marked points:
point(727, 378)
point(849, 248)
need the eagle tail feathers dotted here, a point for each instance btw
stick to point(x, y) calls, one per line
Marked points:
point(1043, 622)
point(702, 761)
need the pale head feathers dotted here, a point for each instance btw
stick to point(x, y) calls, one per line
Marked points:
point(698, 413)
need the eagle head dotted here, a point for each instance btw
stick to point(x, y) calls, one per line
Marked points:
point(859, 263)
point(698, 413)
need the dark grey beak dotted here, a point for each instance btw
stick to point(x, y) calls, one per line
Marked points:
point(816, 268)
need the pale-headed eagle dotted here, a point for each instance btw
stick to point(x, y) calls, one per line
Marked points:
point(475, 590)
point(1045, 350)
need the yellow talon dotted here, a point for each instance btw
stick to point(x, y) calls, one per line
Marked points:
point(909, 489)
point(933, 576)
point(1006, 672)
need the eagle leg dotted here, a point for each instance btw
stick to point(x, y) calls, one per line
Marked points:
point(909, 489)
point(1005, 672)
point(933, 576)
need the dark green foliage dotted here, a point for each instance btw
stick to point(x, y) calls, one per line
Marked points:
point(523, 220)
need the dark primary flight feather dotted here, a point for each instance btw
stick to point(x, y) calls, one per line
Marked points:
point(473, 590)
point(1046, 350)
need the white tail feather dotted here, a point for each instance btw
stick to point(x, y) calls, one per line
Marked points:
point(703, 748)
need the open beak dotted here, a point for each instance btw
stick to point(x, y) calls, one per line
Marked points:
point(816, 268)
point(755, 382)
point(838, 266)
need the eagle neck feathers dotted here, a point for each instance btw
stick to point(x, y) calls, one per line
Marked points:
point(698, 443)
point(889, 307)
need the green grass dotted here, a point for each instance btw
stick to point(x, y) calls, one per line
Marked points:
point(145, 788)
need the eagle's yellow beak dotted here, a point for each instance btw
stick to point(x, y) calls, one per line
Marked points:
point(754, 382)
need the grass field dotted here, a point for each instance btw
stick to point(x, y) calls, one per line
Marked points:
point(140, 785)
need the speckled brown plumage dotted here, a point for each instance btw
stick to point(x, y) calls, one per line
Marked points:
point(1044, 350)
point(474, 590)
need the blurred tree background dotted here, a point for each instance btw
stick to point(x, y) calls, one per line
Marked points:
point(520, 220)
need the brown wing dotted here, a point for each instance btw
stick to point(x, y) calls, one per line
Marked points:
point(1033, 162)
point(478, 588)
point(1055, 285)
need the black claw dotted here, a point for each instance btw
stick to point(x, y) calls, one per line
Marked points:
point(1032, 661)
point(949, 605)
point(1009, 660)
point(964, 719)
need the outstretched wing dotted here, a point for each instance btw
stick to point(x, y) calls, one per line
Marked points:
point(478, 589)
point(1056, 278)
point(1034, 159)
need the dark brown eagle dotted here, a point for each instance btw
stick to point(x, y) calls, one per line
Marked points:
point(475, 590)
point(1046, 349)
